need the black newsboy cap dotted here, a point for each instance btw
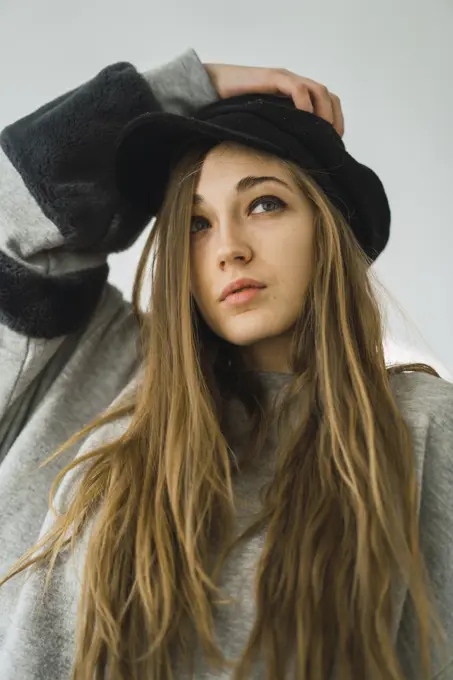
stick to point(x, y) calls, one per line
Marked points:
point(151, 144)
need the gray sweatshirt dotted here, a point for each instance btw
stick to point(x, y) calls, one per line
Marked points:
point(68, 349)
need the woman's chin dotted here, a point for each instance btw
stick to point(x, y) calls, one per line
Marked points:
point(244, 334)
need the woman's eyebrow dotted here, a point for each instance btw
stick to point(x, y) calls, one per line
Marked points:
point(250, 181)
point(247, 183)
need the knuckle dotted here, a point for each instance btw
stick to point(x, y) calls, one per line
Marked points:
point(301, 86)
point(322, 89)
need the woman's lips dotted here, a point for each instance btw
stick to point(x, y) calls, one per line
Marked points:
point(242, 296)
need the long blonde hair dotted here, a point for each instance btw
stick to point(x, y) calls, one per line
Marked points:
point(340, 513)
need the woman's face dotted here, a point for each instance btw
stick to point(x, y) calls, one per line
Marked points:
point(251, 221)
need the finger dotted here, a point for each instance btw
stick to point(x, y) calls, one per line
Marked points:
point(337, 114)
point(284, 82)
point(320, 96)
point(330, 111)
point(308, 95)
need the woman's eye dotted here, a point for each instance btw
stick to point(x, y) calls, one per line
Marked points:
point(197, 224)
point(269, 204)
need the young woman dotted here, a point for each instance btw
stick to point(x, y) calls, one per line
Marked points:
point(241, 488)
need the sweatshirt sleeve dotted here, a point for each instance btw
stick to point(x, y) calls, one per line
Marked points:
point(428, 410)
point(60, 212)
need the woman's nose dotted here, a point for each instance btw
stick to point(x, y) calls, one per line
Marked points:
point(232, 244)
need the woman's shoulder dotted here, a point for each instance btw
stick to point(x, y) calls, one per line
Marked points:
point(426, 404)
point(423, 396)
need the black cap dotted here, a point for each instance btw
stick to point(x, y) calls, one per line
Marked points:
point(151, 144)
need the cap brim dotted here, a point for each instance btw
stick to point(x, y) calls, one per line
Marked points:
point(150, 145)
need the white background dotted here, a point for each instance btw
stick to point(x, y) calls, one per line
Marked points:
point(391, 63)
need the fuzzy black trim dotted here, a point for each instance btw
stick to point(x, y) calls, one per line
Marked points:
point(65, 154)
point(48, 306)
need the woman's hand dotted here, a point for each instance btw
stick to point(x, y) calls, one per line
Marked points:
point(308, 95)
